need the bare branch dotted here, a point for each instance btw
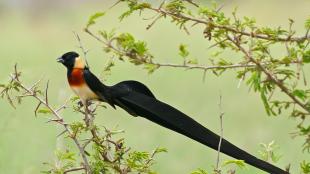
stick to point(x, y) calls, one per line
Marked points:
point(217, 170)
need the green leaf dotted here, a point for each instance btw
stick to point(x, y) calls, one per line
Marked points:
point(193, 61)
point(183, 52)
point(92, 19)
point(305, 167)
point(306, 56)
point(44, 110)
point(67, 155)
point(300, 94)
point(133, 6)
point(160, 150)
point(239, 163)
point(175, 6)
point(151, 67)
point(74, 98)
point(255, 80)
point(199, 171)
point(263, 93)
point(223, 62)
point(77, 127)
point(268, 152)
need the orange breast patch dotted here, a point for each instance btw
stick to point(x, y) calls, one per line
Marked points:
point(76, 78)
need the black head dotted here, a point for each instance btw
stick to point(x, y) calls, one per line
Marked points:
point(68, 59)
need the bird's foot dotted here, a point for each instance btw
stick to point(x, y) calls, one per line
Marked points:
point(80, 104)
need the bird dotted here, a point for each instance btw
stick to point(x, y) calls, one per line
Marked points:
point(138, 100)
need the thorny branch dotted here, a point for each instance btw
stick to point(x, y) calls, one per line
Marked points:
point(268, 73)
point(59, 119)
point(105, 143)
point(209, 22)
point(184, 66)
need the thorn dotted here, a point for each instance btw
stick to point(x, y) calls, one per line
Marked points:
point(36, 110)
point(60, 121)
point(61, 133)
point(46, 90)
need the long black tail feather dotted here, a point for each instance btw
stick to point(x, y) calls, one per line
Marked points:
point(171, 118)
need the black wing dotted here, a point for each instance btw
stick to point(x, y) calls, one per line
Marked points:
point(97, 87)
point(126, 87)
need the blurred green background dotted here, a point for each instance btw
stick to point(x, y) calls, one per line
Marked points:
point(34, 33)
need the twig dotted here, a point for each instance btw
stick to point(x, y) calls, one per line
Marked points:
point(64, 105)
point(46, 92)
point(36, 83)
point(74, 170)
point(221, 136)
point(114, 4)
point(193, 3)
point(81, 47)
point(154, 21)
point(147, 162)
point(36, 109)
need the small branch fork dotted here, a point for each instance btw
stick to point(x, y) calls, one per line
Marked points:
point(33, 93)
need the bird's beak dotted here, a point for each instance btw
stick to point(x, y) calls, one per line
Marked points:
point(60, 60)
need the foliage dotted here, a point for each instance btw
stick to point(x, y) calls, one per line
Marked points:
point(305, 166)
point(100, 152)
point(268, 152)
point(264, 72)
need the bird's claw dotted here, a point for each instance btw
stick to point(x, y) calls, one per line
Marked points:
point(80, 104)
